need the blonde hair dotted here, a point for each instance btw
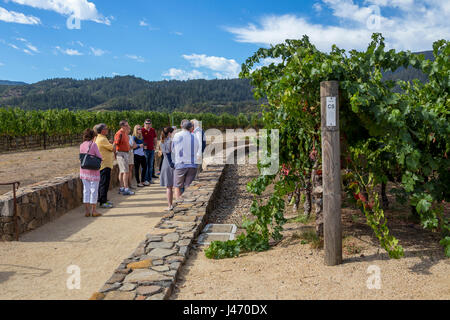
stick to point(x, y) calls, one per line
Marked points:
point(136, 133)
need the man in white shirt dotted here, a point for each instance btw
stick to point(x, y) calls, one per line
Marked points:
point(185, 148)
point(201, 139)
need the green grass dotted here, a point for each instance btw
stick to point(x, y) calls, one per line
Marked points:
point(302, 218)
point(310, 237)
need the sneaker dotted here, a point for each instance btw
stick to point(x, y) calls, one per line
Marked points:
point(106, 206)
point(146, 183)
point(109, 202)
point(140, 185)
point(121, 190)
point(128, 193)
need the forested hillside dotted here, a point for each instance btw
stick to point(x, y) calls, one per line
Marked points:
point(131, 93)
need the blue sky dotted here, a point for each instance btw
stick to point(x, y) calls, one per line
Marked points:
point(182, 40)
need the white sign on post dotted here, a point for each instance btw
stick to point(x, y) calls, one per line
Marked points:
point(331, 111)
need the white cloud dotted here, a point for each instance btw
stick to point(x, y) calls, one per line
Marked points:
point(81, 9)
point(28, 45)
point(317, 7)
point(17, 17)
point(32, 48)
point(66, 69)
point(135, 57)
point(97, 52)
point(145, 24)
point(1, 64)
point(411, 25)
point(225, 68)
point(179, 74)
point(69, 52)
point(177, 33)
point(13, 46)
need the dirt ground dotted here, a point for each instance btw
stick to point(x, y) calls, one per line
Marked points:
point(294, 269)
point(31, 167)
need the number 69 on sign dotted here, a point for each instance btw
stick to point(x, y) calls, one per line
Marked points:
point(331, 111)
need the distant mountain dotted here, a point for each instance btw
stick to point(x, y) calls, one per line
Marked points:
point(132, 93)
point(410, 74)
point(11, 83)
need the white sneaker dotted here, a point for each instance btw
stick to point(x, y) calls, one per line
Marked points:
point(146, 183)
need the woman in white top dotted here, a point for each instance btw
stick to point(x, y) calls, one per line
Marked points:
point(131, 161)
point(139, 156)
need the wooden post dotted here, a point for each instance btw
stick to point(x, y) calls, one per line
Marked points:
point(331, 168)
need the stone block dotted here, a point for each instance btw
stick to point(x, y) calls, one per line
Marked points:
point(144, 264)
point(128, 287)
point(97, 296)
point(9, 228)
point(148, 290)
point(116, 277)
point(161, 253)
point(153, 238)
point(161, 268)
point(144, 276)
point(162, 245)
point(120, 295)
point(171, 237)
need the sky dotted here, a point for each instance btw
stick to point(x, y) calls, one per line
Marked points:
point(198, 39)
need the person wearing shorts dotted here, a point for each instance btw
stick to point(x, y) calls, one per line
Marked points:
point(122, 150)
point(185, 147)
point(90, 178)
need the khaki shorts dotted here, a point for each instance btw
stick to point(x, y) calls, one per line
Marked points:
point(123, 160)
point(184, 177)
point(131, 160)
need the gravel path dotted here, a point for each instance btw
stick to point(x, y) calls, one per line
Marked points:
point(234, 202)
point(294, 270)
point(36, 267)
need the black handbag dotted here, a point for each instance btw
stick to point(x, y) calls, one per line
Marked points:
point(89, 161)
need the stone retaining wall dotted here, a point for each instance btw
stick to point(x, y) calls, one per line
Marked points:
point(150, 272)
point(42, 203)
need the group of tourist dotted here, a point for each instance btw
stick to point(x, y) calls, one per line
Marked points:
point(181, 157)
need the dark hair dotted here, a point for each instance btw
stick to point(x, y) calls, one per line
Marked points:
point(123, 123)
point(165, 132)
point(147, 120)
point(100, 127)
point(88, 134)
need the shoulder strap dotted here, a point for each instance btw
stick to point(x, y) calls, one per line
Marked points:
point(89, 149)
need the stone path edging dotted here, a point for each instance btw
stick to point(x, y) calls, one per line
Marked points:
point(150, 272)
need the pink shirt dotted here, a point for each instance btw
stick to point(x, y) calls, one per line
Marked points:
point(85, 174)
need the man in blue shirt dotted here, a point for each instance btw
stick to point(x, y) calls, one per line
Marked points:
point(185, 148)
